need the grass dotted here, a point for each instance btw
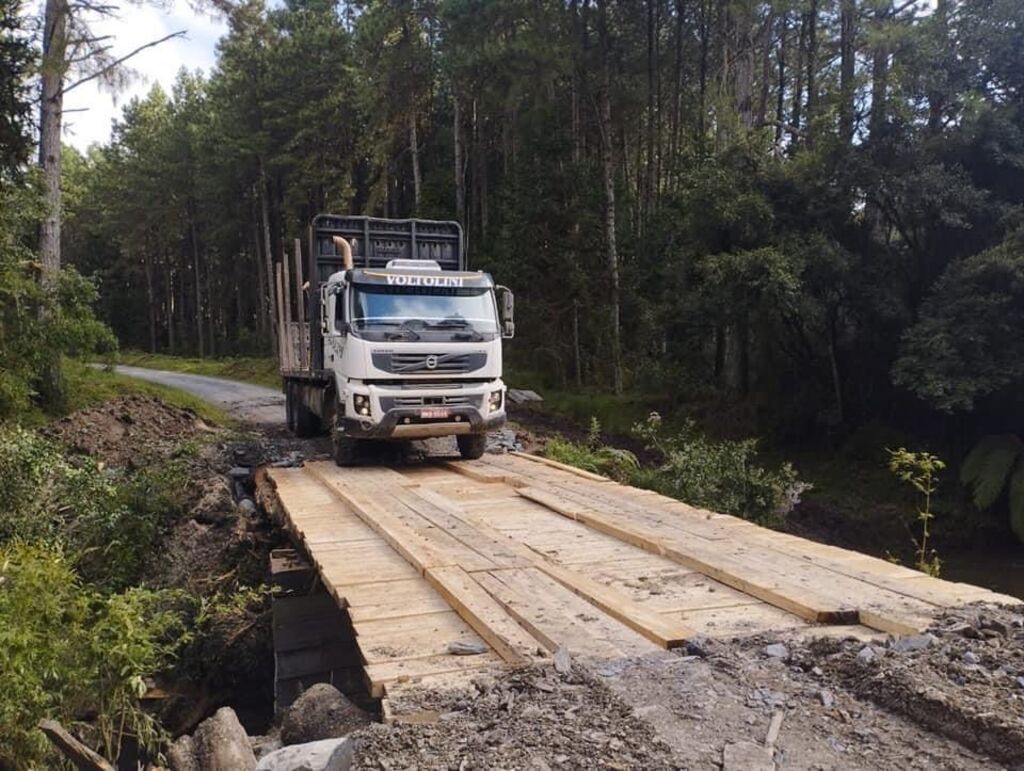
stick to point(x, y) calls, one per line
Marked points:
point(91, 387)
point(247, 369)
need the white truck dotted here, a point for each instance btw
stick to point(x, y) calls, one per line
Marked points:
point(402, 342)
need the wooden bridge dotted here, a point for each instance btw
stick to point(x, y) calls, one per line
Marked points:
point(514, 556)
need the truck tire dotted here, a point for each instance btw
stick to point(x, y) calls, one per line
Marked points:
point(471, 446)
point(344, 448)
point(305, 422)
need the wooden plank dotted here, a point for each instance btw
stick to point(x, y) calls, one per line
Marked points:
point(739, 621)
point(556, 616)
point(727, 571)
point(513, 643)
point(561, 466)
point(413, 637)
point(479, 471)
point(424, 546)
point(664, 632)
point(411, 670)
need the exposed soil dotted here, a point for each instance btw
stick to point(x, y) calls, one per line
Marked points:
point(532, 718)
point(955, 702)
point(128, 432)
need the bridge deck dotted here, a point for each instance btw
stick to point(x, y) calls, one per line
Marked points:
point(516, 556)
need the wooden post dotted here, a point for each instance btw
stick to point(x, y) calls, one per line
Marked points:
point(300, 299)
point(293, 354)
point(282, 339)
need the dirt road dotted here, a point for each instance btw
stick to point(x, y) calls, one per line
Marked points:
point(253, 403)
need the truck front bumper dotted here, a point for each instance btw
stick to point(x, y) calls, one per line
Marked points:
point(405, 423)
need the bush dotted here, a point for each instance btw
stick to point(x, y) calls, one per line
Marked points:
point(717, 475)
point(104, 521)
point(593, 456)
point(70, 652)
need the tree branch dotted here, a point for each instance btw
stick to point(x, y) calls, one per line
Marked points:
point(114, 64)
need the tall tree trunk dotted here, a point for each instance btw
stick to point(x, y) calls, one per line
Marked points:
point(608, 174)
point(460, 164)
point(743, 72)
point(812, 69)
point(261, 277)
point(147, 264)
point(169, 312)
point(798, 85)
point(847, 69)
point(194, 238)
point(414, 149)
point(880, 73)
point(51, 115)
point(268, 260)
point(780, 93)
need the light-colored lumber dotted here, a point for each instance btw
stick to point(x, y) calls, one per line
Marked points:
point(561, 466)
point(411, 670)
point(663, 631)
point(483, 613)
point(556, 616)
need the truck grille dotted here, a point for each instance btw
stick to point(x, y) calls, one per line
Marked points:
point(450, 400)
point(429, 363)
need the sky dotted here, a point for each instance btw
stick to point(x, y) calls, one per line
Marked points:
point(137, 26)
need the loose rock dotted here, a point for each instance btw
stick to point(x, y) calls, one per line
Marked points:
point(323, 755)
point(776, 651)
point(321, 712)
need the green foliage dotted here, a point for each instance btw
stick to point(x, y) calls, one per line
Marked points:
point(718, 475)
point(102, 520)
point(996, 466)
point(68, 651)
point(968, 342)
point(593, 455)
point(33, 324)
point(921, 471)
point(17, 58)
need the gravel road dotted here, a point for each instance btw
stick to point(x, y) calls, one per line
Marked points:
point(253, 403)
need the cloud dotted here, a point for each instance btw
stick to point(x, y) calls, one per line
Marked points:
point(91, 108)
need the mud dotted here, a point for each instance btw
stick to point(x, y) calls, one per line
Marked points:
point(128, 432)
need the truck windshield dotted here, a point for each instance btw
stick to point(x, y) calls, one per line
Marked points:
point(433, 313)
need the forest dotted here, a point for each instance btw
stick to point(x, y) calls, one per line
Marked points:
point(803, 216)
point(754, 231)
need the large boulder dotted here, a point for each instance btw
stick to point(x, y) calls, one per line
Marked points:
point(221, 744)
point(321, 712)
point(323, 755)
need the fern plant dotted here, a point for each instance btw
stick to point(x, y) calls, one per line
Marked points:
point(995, 465)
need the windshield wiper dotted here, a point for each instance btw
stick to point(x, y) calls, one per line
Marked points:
point(453, 323)
point(405, 329)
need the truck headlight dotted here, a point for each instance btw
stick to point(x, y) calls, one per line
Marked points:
point(494, 402)
point(362, 404)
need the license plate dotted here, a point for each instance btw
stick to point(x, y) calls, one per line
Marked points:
point(435, 413)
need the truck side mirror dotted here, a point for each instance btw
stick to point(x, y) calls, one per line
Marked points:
point(506, 310)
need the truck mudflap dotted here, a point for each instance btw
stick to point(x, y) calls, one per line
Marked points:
point(406, 423)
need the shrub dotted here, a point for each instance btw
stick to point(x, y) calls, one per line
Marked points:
point(70, 652)
point(717, 475)
point(104, 521)
point(593, 456)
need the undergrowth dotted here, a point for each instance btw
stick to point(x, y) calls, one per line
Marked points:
point(721, 475)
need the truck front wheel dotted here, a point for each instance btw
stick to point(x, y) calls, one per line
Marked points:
point(471, 446)
point(345, 449)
